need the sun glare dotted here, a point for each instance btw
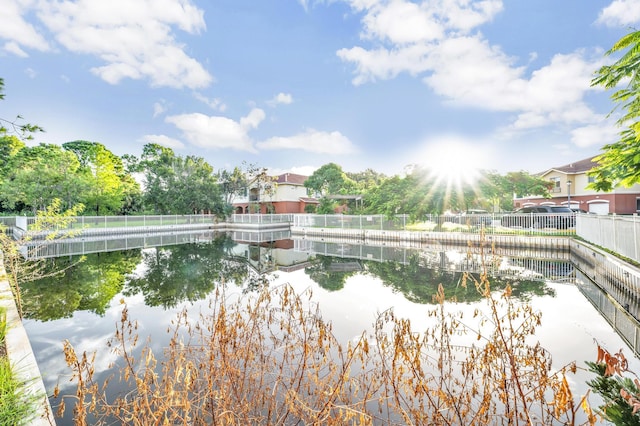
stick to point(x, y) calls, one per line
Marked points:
point(454, 163)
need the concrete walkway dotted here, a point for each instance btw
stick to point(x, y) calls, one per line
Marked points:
point(23, 361)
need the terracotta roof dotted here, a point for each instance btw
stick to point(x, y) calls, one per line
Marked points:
point(580, 166)
point(309, 200)
point(291, 178)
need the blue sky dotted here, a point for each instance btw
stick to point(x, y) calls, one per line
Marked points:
point(295, 84)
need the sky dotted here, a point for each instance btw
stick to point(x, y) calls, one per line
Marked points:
point(291, 85)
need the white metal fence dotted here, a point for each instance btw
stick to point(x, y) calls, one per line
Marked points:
point(613, 232)
point(261, 219)
point(510, 223)
point(107, 222)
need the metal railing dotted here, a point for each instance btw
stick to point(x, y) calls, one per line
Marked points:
point(496, 223)
point(617, 233)
point(261, 219)
point(106, 222)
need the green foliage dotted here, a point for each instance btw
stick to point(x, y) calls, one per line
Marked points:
point(366, 180)
point(17, 407)
point(329, 180)
point(185, 273)
point(36, 175)
point(615, 408)
point(326, 206)
point(620, 394)
point(108, 188)
point(619, 164)
point(326, 272)
point(81, 284)
point(500, 189)
point(179, 185)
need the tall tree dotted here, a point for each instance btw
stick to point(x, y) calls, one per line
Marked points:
point(37, 175)
point(329, 180)
point(619, 164)
point(500, 189)
point(177, 185)
point(109, 188)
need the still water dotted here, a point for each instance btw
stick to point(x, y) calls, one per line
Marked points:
point(350, 281)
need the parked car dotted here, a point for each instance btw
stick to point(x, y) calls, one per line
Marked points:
point(558, 217)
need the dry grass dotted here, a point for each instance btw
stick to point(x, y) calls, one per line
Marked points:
point(269, 358)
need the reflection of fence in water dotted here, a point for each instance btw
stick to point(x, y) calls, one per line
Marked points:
point(86, 245)
point(452, 258)
point(620, 319)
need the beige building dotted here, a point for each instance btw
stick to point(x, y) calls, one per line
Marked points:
point(285, 193)
point(569, 188)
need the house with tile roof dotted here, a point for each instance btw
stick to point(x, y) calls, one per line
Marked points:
point(569, 188)
point(285, 193)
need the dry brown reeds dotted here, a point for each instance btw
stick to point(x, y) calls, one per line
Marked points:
point(269, 358)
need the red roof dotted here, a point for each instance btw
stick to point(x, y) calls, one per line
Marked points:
point(580, 166)
point(291, 178)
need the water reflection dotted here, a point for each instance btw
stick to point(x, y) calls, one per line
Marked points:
point(351, 282)
point(166, 276)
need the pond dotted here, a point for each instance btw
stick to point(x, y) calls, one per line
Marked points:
point(352, 283)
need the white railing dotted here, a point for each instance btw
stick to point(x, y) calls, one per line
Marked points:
point(618, 233)
point(109, 222)
point(529, 223)
point(260, 219)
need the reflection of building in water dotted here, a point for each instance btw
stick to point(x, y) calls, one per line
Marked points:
point(272, 256)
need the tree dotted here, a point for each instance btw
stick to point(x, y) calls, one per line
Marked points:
point(500, 189)
point(619, 164)
point(329, 180)
point(177, 185)
point(232, 184)
point(37, 175)
point(109, 188)
point(366, 180)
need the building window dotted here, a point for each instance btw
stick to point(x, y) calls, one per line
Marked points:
point(556, 184)
point(638, 204)
point(591, 179)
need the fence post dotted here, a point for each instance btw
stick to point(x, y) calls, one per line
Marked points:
point(635, 236)
point(615, 234)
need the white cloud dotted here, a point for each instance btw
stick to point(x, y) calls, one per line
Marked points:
point(215, 103)
point(31, 72)
point(13, 47)
point(597, 134)
point(253, 119)
point(463, 67)
point(304, 4)
point(281, 98)
point(620, 13)
point(217, 132)
point(159, 108)
point(163, 140)
point(134, 39)
point(401, 22)
point(19, 33)
point(313, 141)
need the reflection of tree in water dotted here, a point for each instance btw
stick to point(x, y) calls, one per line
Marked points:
point(418, 279)
point(331, 273)
point(188, 272)
point(86, 286)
